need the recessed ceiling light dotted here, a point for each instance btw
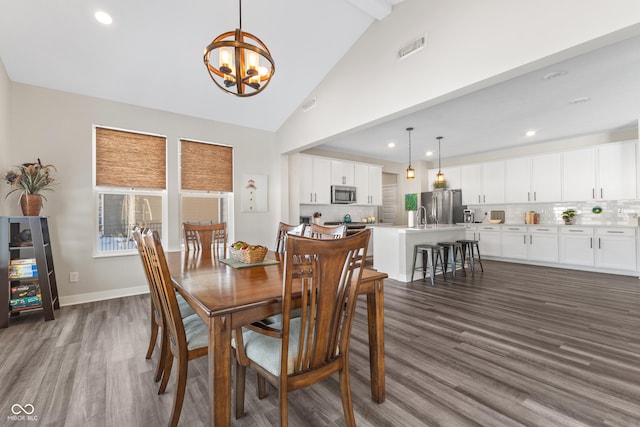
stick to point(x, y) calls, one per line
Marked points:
point(429, 153)
point(553, 75)
point(580, 100)
point(103, 17)
point(530, 132)
point(391, 144)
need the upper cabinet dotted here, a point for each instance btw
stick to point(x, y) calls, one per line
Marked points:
point(533, 179)
point(315, 180)
point(342, 173)
point(482, 183)
point(606, 172)
point(368, 180)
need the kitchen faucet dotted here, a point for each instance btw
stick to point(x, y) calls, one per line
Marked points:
point(422, 216)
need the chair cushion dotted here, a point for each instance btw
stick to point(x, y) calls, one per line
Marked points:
point(196, 331)
point(265, 351)
point(185, 308)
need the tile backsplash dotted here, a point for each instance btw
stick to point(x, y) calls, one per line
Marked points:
point(613, 212)
point(334, 213)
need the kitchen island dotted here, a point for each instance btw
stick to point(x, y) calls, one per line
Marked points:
point(393, 245)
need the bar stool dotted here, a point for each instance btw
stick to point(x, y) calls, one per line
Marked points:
point(431, 259)
point(454, 257)
point(469, 247)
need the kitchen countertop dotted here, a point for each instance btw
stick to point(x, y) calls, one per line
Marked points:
point(555, 224)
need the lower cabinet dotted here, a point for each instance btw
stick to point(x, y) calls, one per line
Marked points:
point(535, 243)
point(489, 241)
point(615, 248)
point(576, 246)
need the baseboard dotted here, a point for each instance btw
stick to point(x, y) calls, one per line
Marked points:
point(103, 295)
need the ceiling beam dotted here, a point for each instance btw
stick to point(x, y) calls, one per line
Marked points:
point(377, 9)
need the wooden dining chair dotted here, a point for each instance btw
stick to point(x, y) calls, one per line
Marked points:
point(328, 232)
point(283, 230)
point(187, 337)
point(202, 237)
point(157, 319)
point(306, 349)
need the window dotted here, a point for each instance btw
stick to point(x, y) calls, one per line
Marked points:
point(130, 183)
point(206, 182)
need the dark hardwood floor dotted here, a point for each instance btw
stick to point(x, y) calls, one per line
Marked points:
point(515, 345)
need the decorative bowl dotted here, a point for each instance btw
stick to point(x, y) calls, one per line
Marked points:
point(495, 221)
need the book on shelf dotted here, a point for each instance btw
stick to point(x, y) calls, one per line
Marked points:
point(22, 261)
point(23, 268)
point(25, 290)
point(25, 302)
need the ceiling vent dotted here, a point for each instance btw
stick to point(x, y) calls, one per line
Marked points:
point(412, 47)
point(309, 105)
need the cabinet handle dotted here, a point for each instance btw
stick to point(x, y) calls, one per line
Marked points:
point(530, 239)
point(478, 198)
point(599, 243)
point(315, 197)
point(484, 198)
point(593, 193)
point(576, 231)
point(528, 196)
point(535, 196)
point(601, 194)
point(311, 197)
point(615, 232)
point(524, 239)
point(478, 236)
point(590, 242)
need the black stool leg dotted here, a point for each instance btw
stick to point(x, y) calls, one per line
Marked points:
point(479, 258)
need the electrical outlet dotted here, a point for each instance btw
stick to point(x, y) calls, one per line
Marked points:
point(73, 277)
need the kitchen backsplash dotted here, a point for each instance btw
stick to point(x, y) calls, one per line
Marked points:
point(334, 213)
point(613, 212)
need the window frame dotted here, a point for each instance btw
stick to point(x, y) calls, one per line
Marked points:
point(98, 190)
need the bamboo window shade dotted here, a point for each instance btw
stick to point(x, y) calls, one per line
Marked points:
point(207, 167)
point(129, 159)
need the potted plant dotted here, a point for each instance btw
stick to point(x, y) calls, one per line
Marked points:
point(569, 216)
point(30, 180)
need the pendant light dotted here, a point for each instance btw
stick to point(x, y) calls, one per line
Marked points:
point(440, 176)
point(238, 62)
point(411, 173)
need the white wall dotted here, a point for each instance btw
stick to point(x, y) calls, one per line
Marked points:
point(471, 44)
point(4, 135)
point(57, 127)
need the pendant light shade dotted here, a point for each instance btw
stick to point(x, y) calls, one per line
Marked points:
point(440, 176)
point(239, 63)
point(411, 173)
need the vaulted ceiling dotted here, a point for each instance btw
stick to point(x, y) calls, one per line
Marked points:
point(151, 56)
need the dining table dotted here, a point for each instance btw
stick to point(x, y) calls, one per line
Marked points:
point(227, 297)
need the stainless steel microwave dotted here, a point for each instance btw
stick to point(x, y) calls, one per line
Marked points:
point(343, 194)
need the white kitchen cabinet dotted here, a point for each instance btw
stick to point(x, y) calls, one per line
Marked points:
point(546, 178)
point(533, 179)
point(606, 172)
point(543, 243)
point(576, 246)
point(617, 171)
point(368, 182)
point(533, 243)
point(342, 173)
point(315, 180)
point(615, 248)
point(489, 241)
point(482, 183)
point(514, 241)
point(517, 177)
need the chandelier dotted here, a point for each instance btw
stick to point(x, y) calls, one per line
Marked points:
point(411, 173)
point(238, 62)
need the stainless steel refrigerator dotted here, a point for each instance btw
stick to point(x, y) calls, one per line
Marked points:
point(444, 206)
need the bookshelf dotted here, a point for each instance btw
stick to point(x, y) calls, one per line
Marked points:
point(27, 275)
